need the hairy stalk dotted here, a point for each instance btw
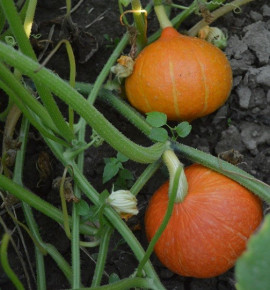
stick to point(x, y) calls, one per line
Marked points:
point(92, 116)
point(216, 14)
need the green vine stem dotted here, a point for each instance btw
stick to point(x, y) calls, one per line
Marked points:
point(92, 116)
point(29, 17)
point(38, 203)
point(25, 97)
point(188, 152)
point(216, 14)
point(102, 255)
point(172, 196)
point(75, 232)
point(111, 215)
point(106, 69)
point(177, 20)
point(172, 162)
point(140, 23)
point(5, 264)
point(161, 14)
point(33, 119)
point(22, 14)
point(108, 97)
point(145, 176)
point(72, 71)
point(225, 168)
point(25, 46)
point(128, 283)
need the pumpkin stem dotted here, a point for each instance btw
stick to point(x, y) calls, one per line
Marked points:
point(172, 162)
point(161, 15)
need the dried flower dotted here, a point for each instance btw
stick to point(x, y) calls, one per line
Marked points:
point(213, 35)
point(124, 67)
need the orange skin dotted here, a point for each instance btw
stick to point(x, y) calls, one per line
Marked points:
point(209, 230)
point(181, 76)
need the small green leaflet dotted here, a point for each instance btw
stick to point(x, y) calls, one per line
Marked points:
point(121, 157)
point(113, 278)
point(156, 119)
point(159, 134)
point(111, 169)
point(183, 129)
point(83, 207)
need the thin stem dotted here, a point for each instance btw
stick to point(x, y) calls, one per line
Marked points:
point(128, 283)
point(75, 233)
point(64, 204)
point(72, 71)
point(145, 176)
point(29, 17)
point(5, 264)
point(102, 255)
point(162, 15)
point(169, 211)
point(68, 5)
point(2, 19)
point(40, 269)
point(216, 14)
point(140, 23)
point(106, 69)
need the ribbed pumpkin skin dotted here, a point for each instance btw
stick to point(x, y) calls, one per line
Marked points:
point(181, 76)
point(208, 231)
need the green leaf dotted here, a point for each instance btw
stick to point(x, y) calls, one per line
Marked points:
point(158, 134)
point(126, 174)
point(113, 278)
point(252, 268)
point(122, 158)
point(156, 119)
point(125, 2)
point(183, 129)
point(83, 207)
point(110, 170)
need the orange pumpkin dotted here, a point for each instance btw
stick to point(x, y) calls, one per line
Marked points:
point(181, 76)
point(208, 231)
